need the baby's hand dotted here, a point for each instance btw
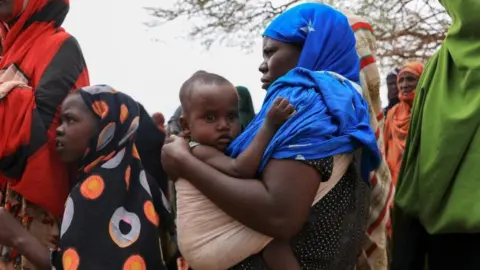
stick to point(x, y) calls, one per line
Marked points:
point(278, 114)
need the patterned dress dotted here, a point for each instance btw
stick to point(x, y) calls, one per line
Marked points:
point(335, 230)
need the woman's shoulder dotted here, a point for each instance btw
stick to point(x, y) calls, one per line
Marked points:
point(393, 110)
point(58, 37)
point(57, 43)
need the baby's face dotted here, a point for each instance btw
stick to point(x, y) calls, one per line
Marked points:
point(213, 115)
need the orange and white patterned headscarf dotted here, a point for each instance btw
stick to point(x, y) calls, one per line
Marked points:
point(110, 221)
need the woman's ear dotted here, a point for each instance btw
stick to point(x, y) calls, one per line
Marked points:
point(182, 121)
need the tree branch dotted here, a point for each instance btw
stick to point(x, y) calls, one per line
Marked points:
point(405, 29)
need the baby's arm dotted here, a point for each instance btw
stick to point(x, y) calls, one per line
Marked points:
point(247, 163)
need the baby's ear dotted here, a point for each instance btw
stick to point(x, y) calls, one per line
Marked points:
point(184, 126)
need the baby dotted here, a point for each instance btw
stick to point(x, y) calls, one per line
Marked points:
point(208, 238)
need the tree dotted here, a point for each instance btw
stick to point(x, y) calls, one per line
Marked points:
point(405, 29)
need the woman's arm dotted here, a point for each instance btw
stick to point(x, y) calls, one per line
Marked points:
point(12, 234)
point(34, 251)
point(59, 69)
point(65, 72)
point(278, 206)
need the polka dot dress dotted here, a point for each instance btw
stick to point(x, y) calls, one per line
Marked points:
point(334, 232)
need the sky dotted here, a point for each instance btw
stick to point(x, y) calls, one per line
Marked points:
point(150, 64)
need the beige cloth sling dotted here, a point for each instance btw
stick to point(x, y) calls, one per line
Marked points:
point(209, 239)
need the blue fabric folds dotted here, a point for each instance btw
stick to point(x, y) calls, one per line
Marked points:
point(331, 116)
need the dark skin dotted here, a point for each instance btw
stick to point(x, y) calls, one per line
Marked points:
point(211, 115)
point(78, 126)
point(407, 82)
point(278, 59)
point(392, 87)
point(276, 205)
point(12, 234)
point(212, 120)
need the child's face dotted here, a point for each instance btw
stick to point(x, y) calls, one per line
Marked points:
point(213, 115)
point(78, 126)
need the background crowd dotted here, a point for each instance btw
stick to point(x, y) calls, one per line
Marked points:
point(89, 180)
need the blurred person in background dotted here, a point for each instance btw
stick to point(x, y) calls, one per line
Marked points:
point(247, 112)
point(398, 119)
point(159, 120)
point(392, 88)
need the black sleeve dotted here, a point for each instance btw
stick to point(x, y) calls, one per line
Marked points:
point(58, 79)
point(149, 143)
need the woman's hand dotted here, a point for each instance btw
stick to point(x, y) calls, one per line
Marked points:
point(12, 234)
point(11, 230)
point(173, 152)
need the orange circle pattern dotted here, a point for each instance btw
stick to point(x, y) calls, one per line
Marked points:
point(150, 212)
point(92, 187)
point(100, 108)
point(123, 113)
point(70, 259)
point(94, 164)
point(135, 262)
point(127, 176)
point(135, 152)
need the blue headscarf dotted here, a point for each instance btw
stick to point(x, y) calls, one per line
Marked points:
point(331, 115)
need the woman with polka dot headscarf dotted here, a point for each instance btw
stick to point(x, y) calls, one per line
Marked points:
point(110, 219)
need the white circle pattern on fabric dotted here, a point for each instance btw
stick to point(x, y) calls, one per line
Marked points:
point(144, 182)
point(106, 136)
point(67, 216)
point(131, 130)
point(98, 89)
point(115, 161)
point(121, 239)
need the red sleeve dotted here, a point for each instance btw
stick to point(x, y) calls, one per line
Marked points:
point(44, 179)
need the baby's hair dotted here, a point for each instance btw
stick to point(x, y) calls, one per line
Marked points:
point(199, 77)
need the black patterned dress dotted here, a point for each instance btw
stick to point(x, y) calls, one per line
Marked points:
point(332, 237)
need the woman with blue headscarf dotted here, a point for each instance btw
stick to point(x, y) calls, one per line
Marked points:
point(309, 59)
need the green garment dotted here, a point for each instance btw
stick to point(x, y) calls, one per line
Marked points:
point(247, 112)
point(440, 177)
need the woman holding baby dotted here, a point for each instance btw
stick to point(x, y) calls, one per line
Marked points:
point(312, 189)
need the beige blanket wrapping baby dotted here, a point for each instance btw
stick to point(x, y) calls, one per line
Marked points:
point(209, 239)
